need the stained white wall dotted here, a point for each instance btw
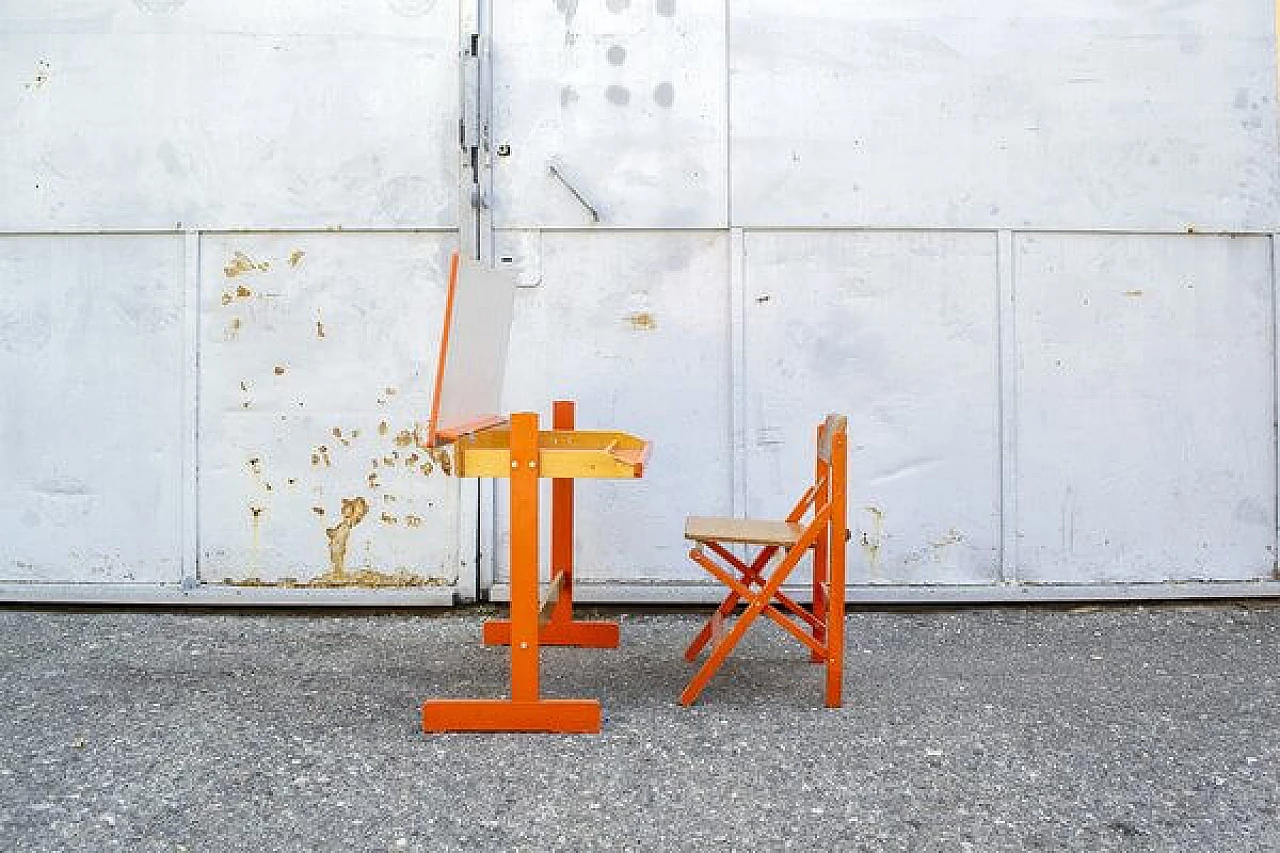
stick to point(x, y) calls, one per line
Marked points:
point(1096, 114)
point(176, 114)
point(900, 330)
point(233, 219)
point(935, 212)
point(977, 227)
point(314, 375)
point(91, 427)
point(1146, 407)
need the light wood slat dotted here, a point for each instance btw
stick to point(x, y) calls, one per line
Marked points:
point(744, 530)
point(550, 597)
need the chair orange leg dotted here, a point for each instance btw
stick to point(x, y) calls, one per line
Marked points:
point(719, 653)
point(836, 535)
point(759, 601)
point(730, 602)
point(821, 578)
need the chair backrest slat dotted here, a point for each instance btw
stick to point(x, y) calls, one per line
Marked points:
point(832, 425)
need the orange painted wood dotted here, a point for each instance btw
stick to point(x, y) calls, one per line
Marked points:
point(838, 528)
point(523, 519)
point(582, 633)
point(570, 716)
point(821, 551)
point(434, 422)
point(444, 435)
point(562, 417)
point(525, 711)
point(824, 534)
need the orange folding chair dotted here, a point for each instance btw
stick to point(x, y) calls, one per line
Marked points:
point(785, 543)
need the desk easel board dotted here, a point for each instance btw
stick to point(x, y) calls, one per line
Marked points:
point(466, 413)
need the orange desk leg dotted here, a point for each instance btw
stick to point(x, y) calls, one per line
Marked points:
point(561, 629)
point(524, 711)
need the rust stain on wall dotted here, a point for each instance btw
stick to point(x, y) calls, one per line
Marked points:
point(871, 543)
point(442, 458)
point(241, 292)
point(41, 77)
point(353, 512)
point(356, 578)
point(642, 321)
point(295, 257)
point(241, 263)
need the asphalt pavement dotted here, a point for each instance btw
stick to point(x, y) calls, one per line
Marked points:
point(1133, 728)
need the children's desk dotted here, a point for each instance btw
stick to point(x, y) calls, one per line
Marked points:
point(465, 414)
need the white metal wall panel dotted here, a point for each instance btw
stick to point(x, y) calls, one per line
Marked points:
point(91, 362)
point(318, 352)
point(1097, 114)
point(899, 331)
point(633, 326)
point(145, 114)
point(627, 98)
point(1146, 406)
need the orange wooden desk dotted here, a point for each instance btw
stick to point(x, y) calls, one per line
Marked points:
point(516, 449)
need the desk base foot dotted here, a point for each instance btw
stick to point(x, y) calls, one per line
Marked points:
point(569, 716)
point(589, 635)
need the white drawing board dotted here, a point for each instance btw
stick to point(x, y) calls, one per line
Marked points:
point(473, 350)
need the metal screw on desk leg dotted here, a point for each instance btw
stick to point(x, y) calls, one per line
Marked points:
point(524, 645)
point(533, 464)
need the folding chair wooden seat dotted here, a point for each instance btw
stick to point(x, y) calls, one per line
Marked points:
point(782, 544)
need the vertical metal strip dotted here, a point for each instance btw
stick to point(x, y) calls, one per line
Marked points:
point(728, 112)
point(468, 128)
point(1275, 396)
point(484, 124)
point(189, 495)
point(476, 498)
point(1007, 346)
point(737, 373)
point(467, 556)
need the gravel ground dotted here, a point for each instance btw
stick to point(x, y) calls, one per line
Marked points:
point(986, 729)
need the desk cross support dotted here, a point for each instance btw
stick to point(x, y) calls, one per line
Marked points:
point(527, 629)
